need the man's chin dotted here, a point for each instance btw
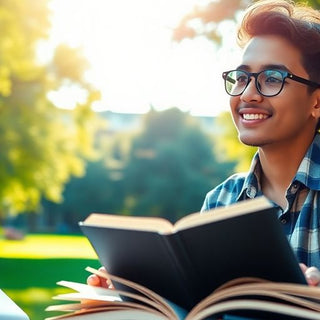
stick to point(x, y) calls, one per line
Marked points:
point(251, 141)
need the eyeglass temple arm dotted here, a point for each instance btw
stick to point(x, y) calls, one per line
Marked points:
point(304, 81)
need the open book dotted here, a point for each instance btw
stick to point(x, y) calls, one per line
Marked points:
point(185, 262)
point(237, 299)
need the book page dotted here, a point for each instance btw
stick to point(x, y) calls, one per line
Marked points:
point(112, 297)
point(163, 226)
point(96, 299)
point(262, 306)
point(239, 208)
point(111, 294)
point(99, 314)
point(160, 303)
point(283, 293)
point(155, 224)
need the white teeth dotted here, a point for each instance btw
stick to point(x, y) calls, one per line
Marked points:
point(256, 116)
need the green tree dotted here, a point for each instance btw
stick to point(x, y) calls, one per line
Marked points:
point(227, 145)
point(99, 190)
point(171, 166)
point(41, 145)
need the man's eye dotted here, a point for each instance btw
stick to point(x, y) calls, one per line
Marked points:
point(242, 79)
point(273, 80)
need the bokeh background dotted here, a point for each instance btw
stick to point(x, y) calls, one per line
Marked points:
point(106, 106)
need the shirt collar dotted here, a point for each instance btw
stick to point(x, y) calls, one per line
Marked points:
point(308, 172)
point(251, 185)
point(309, 169)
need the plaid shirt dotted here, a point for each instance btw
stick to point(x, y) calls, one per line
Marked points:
point(301, 218)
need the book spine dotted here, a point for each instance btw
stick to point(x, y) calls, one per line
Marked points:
point(183, 265)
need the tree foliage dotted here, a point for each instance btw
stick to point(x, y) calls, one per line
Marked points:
point(41, 145)
point(171, 166)
point(165, 169)
point(204, 20)
point(96, 191)
point(227, 145)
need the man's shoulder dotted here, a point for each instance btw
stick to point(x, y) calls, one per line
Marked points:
point(226, 193)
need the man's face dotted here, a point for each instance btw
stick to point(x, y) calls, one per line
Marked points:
point(286, 119)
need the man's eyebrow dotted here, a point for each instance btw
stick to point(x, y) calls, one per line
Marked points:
point(276, 66)
point(245, 67)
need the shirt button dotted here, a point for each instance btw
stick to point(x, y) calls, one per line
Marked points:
point(294, 188)
point(251, 192)
point(283, 221)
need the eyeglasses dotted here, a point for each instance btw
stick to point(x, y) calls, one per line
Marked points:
point(269, 83)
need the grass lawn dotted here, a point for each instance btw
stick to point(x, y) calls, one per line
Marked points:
point(31, 267)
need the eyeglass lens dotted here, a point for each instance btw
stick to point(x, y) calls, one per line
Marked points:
point(268, 82)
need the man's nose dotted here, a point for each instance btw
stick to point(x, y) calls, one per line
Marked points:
point(251, 92)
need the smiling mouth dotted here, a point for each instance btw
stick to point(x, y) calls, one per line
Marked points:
point(254, 116)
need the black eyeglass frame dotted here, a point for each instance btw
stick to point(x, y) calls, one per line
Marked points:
point(285, 75)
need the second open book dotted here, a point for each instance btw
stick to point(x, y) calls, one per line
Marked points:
point(186, 262)
point(237, 299)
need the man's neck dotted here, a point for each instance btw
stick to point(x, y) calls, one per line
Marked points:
point(279, 166)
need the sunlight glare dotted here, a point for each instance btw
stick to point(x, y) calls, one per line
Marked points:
point(133, 60)
point(68, 96)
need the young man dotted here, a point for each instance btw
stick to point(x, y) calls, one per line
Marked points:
point(275, 105)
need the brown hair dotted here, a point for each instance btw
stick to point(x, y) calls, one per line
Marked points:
point(297, 23)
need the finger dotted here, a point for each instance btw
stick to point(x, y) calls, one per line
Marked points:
point(106, 283)
point(93, 280)
point(99, 278)
point(312, 275)
point(102, 269)
point(303, 267)
point(96, 281)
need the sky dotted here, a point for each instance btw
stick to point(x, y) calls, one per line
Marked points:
point(134, 61)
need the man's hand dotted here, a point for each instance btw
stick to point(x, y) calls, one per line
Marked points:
point(95, 280)
point(312, 275)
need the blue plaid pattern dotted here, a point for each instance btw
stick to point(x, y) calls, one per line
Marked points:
point(301, 218)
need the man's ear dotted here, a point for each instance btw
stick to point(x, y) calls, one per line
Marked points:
point(316, 104)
